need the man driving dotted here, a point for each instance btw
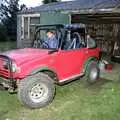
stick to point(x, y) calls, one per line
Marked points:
point(51, 41)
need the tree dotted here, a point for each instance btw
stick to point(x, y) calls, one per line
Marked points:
point(49, 1)
point(8, 16)
point(9, 9)
point(3, 32)
point(23, 7)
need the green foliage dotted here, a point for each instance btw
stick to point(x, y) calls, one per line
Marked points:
point(49, 1)
point(8, 17)
point(9, 11)
point(3, 33)
point(22, 7)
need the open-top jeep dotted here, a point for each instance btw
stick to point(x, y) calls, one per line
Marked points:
point(33, 72)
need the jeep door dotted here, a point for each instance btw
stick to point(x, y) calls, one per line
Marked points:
point(69, 63)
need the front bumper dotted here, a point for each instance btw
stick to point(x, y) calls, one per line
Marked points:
point(6, 74)
point(5, 82)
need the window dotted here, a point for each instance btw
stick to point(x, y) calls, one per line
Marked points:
point(73, 40)
point(27, 25)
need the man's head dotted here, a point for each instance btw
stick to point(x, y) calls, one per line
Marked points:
point(50, 33)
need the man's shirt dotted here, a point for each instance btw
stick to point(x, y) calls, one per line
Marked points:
point(52, 42)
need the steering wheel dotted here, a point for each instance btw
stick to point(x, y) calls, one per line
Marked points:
point(40, 44)
point(45, 45)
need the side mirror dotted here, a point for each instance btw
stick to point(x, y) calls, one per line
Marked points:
point(91, 43)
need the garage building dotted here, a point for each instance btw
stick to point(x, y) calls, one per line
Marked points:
point(102, 18)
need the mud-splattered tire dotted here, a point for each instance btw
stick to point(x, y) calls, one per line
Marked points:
point(36, 91)
point(93, 72)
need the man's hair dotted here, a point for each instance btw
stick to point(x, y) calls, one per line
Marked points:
point(52, 31)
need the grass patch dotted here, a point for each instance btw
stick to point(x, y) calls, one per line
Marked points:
point(74, 101)
point(8, 45)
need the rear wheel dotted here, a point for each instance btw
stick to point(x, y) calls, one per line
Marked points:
point(36, 91)
point(93, 72)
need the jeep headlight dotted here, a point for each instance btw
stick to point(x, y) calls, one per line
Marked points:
point(13, 67)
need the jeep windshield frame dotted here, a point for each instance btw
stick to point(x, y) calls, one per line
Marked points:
point(60, 32)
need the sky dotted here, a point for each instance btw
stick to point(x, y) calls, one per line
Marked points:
point(33, 3)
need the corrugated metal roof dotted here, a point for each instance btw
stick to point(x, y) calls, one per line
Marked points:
point(75, 5)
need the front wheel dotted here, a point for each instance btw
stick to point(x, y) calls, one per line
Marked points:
point(36, 91)
point(93, 72)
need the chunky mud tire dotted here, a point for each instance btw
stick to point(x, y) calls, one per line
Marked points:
point(36, 91)
point(93, 72)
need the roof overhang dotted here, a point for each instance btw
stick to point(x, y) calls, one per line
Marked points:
point(91, 11)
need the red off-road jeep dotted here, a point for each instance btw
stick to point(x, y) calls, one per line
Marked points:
point(33, 72)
